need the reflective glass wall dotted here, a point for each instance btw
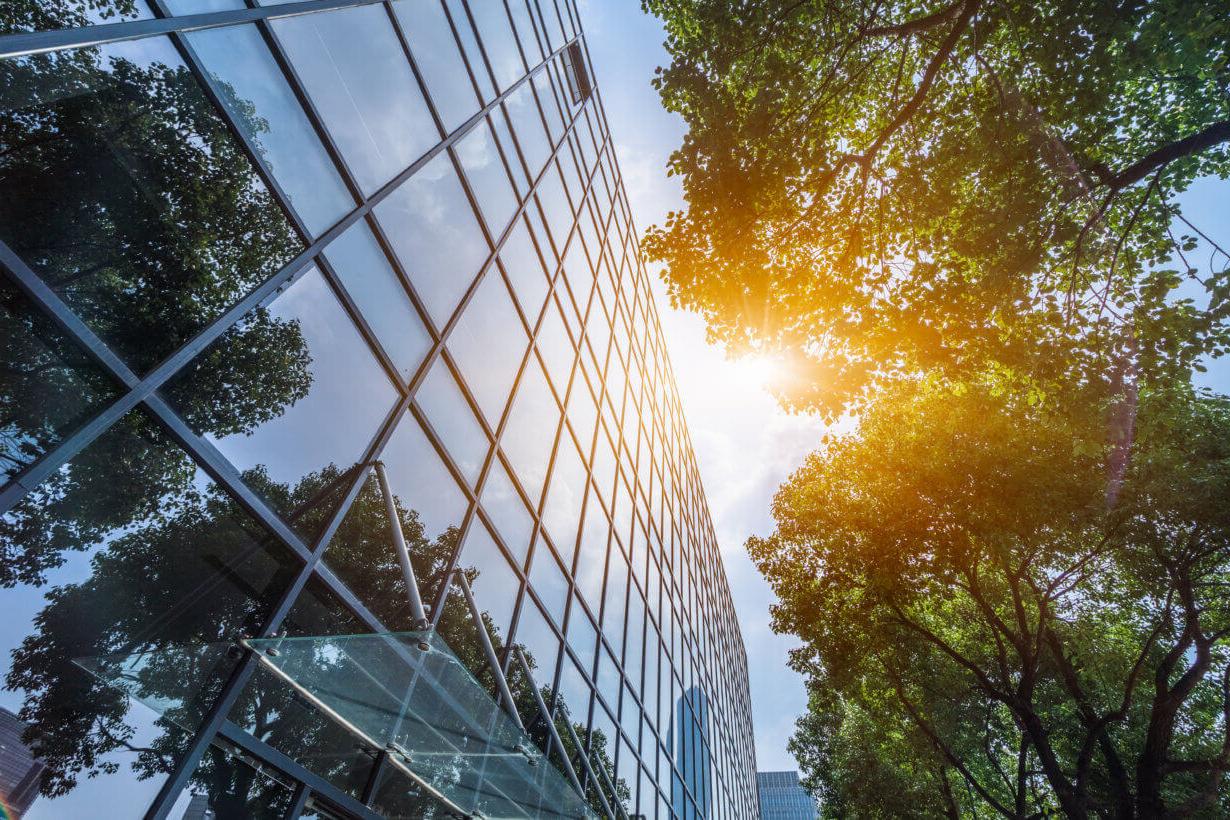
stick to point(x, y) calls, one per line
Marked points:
point(247, 251)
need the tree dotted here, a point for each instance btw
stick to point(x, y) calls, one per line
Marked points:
point(883, 189)
point(963, 583)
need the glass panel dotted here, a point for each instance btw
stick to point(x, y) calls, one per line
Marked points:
point(555, 207)
point(230, 785)
point(525, 273)
point(438, 60)
point(303, 420)
point(409, 692)
point(488, 344)
point(498, 41)
point(591, 553)
point(255, 91)
point(124, 189)
point(376, 288)
point(47, 386)
point(484, 170)
point(549, 582)
point(528, 124)
point(530, 430)
point(561, 512)
point(503, 503)
point(436, 235)
point(451, 418)
point(525, 31)
point(127, 547)
point(492, 580)
point(541, 645)
point(470, 46)
point(556, 348)
point(356, 73)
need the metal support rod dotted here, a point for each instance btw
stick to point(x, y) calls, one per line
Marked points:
point(493, 661)
point(546, 715)
point(417, 613)
point(589, 770)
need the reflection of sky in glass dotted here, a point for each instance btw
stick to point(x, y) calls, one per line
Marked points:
point(488, 180)
point(488, 344)
point(357, 74)
point(349, 395)
point(507, 511)
point(438, 60)
point(376, 288)
point(524, 268)
point(530, 429)
point(561, 512)
point(434, 232)
point(237, 57)
point(499, 41)
point(495, 586)
point(450, 416)
point(420, 479)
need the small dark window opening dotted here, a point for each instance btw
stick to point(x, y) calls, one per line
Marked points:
point(578, 78)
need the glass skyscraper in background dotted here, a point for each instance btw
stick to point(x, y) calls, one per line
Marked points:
point(782, 797)
point(300, 302)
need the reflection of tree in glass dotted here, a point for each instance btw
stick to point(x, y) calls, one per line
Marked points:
point(45, 15)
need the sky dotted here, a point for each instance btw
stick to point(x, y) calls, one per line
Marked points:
point(745, 444)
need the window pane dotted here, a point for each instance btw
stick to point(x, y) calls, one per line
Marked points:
point(356, 73)
point(436, 235)
point(527, 123)
point(450, 416)
point(47, 386)
point(549, 582)
point(556, 348)
point(436, 55)
point(540, 642)
point(302, 418)
point(525, 272)
point(260, 100)
point(591, 553)
point(561, 512)
point(123, 188)
point(555, 207)
point(466, 32)
point(530, 430)
point(228, 784)
point(494, 583)
point(499, 42)
point(421, 481)
point(376, 288)
point(127, 548)
point(488, 345)
point(507, 511)
point(480, 159)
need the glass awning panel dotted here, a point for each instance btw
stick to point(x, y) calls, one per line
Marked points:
point(405, 692)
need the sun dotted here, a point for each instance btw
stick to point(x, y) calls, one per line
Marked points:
point(752, 372)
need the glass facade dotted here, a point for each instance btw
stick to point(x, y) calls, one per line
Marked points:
point(783, 798)
point(247, 252)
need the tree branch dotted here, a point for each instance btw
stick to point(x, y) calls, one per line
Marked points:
point(1210, 136)
point(916, 25)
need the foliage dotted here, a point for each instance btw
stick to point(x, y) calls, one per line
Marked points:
point(884, 189)
point(980, 623)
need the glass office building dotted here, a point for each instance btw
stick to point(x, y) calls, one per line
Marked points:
point(782, 797)
point(305, 308)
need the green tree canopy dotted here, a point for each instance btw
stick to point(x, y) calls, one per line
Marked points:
point(883, 188)
point(981, 625)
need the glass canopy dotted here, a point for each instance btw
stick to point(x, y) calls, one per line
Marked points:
point(405, 692)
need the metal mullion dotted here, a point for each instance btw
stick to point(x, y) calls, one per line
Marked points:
point(465, 60)
point(297, 88)
point(39, 42)
point(289, 766)
point(302, 793)
point(370, 338)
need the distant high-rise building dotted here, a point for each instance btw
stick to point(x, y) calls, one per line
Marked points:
point(198, 808)
point(19, 770)
point(783, 798)
point(274, 277)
